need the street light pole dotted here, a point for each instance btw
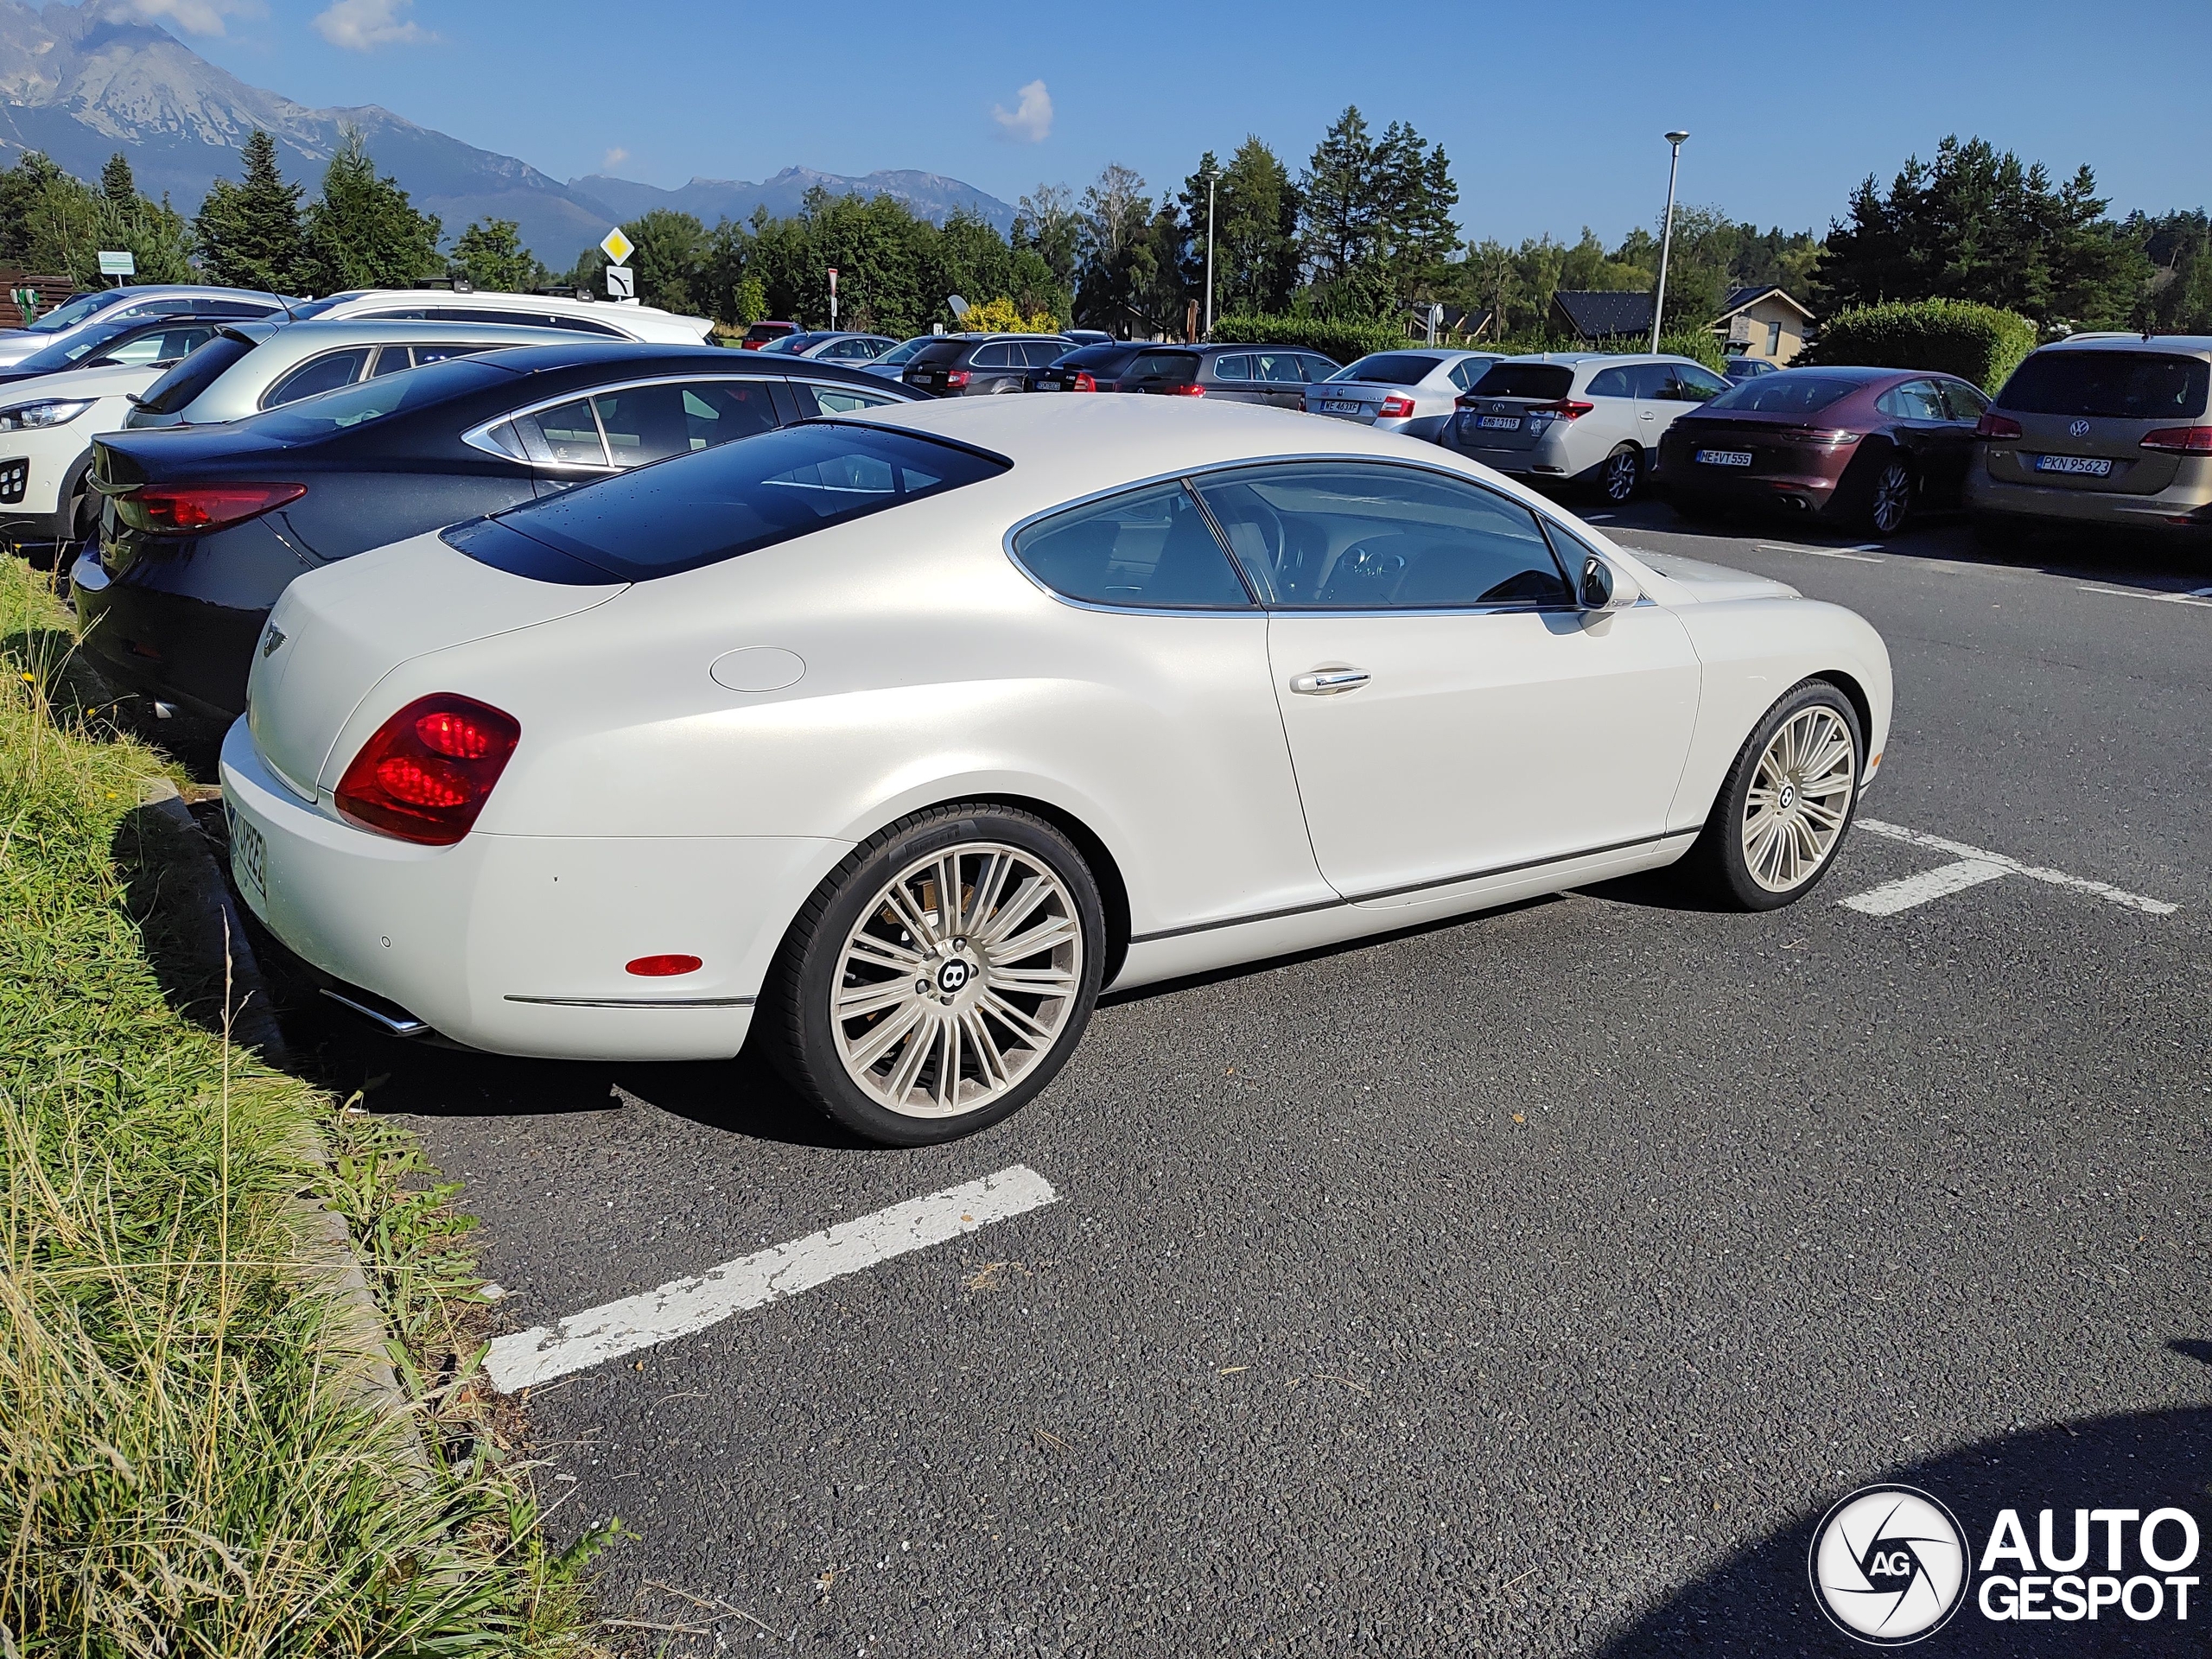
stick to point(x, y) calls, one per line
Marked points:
point(1211, 176)
point(1666, 237)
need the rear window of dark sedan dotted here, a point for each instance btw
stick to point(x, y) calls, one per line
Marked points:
point(1786, 393)
point(1163, 366)
point(721, 503)
point(1542, 380)
point(2116, 385)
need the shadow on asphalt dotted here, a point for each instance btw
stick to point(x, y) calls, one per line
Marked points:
point(1759, 1601)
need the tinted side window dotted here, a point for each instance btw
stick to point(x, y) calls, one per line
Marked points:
point(440, 354)
point(1351, 536)
point(1963, 401)
point(1278, 368)
point(316, 376)
point(1916, 400)
point(1317, 367)
point(994, 357)
point(645, 423)
point(510, 319)
point(1041, 353)
point(820, 398)
point(391, 360)
point(1697, 384)
point(1610, 383)
point(1652, 380)
point(1149, 549)
point(1232, 368)
point(566, 436)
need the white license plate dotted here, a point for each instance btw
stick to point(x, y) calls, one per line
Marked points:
point(1500, 423)
point(1725, 457)
point(249, 854)
point(1338, 406)
point(2087, 467)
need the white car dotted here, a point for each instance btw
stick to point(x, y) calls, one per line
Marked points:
point(889, 740)
point(1414, 392)
point(84, 315)
point(606, 319)
point(1584, 418)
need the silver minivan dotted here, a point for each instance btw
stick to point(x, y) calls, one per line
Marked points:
point(1579, 418)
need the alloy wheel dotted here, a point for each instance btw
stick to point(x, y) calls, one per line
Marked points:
point(1622, 472)
point(1893, 499)
point(959, 977)
point(1799, 800)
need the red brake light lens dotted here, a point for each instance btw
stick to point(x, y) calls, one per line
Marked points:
point(1395, 407)
point(662, 967)
point(957, 378)
point(1083, 382)
point(188, 509)
point(2181, 439)
point(1188, 389)
point(1566, 409)
point(1994, 425)
point(428, 770)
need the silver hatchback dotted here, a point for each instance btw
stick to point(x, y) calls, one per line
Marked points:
point(1413, 391)
point(1582, 418)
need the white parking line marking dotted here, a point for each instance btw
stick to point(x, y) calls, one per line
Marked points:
point(1893, 896)
point(684, 1306)
point(2198, 598)
point(2014, 867)
point(1855, 555)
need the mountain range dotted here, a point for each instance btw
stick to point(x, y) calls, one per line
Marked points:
point(82, 81)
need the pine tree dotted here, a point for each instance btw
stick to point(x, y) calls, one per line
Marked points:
point(491, 255)
point(249, 233)
point(364, 231)
point(116, 182)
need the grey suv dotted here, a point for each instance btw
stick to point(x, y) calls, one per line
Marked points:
point(2106, 430)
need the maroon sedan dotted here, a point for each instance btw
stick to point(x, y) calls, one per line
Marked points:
point(1861, 448)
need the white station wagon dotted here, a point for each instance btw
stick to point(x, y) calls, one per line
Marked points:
point(886, 741)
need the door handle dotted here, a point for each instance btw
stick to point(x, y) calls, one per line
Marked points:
point(1328, 682)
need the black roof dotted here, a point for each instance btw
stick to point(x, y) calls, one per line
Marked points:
point(1605, 313)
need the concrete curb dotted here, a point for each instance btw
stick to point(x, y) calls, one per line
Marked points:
point(356, 1331)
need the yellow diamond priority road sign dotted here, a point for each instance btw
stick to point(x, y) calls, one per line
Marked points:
point(617, 246)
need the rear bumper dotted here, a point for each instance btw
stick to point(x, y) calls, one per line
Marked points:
point(516, 943)
point(170, 645)
point(2184, 507)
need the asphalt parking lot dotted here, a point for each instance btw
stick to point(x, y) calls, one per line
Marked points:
point(1528, 1284)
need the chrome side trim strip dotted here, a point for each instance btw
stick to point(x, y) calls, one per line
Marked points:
point(637, 1001)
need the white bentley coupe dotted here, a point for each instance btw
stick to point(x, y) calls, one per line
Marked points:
point(888, 740)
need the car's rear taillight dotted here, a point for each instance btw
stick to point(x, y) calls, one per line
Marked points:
point(2181, 439)
point(189, 509)
point(1188, 389)
point(428, 770)
point(1994, 425)
point(1083, 382)
point(1564, 408)
point(1395, 407)
point(957, 378)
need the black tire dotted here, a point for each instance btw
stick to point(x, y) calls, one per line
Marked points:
point(1620, 476)
point(1719, 862)
point(1878, 494)
point(801, 1033)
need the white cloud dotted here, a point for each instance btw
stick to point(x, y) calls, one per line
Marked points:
point(364, 25)
point(613, 159)
point(1030, 120)
point(194, 16)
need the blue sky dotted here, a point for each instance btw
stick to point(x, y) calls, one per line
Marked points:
point(1551, 113)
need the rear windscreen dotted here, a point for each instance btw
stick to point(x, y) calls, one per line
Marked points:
point(1163, 366)
point(1785, 393)
point(193, 375)
point(2117, 385)
point(1391, 369)
point(1543, 380)
point(700, 509)
point(940, 351)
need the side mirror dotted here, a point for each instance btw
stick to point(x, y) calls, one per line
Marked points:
point(1604, 588)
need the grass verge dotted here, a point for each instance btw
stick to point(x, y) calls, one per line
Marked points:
point(190, 1460)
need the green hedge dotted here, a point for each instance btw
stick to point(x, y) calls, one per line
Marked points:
point(1975, 342)
point(1331, 338)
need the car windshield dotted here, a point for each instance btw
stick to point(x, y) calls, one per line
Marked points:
point(193, 376)
point(1785, 393)
point(903, 353)
point(75, 309)
point(371, 400)
point(79, 345)
point(1391, 368)
point(1540, 380)
point(721, 503)
point(2116, 385)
